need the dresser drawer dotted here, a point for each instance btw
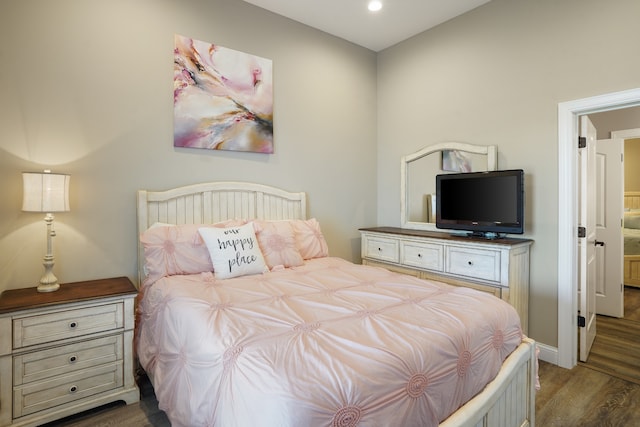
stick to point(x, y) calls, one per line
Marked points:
point(43, 364)
point(422, 255)
point(381, 248)
point(54, 326)
point(474, 263)
point(63, 389)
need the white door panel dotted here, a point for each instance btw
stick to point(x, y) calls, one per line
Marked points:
point(609, 250)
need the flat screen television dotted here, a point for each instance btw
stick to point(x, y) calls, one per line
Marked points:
point(486, 204)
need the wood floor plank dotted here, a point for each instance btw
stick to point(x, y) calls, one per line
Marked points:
point(571, 400)
point(616, 349)
point(615, 353)
point(585, 397)
point(632, 303)
point(616, 405)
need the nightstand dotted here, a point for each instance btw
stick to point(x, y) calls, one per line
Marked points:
point(66, 351)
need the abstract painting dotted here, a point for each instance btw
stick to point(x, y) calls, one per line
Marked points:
point(222, 98)
point(455, 161)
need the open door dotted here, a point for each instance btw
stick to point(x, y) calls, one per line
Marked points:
point(587, 241)
point(609, 243)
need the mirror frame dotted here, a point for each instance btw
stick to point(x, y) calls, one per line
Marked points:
point(491, 151)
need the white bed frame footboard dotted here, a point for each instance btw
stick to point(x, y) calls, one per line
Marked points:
point(507, 401)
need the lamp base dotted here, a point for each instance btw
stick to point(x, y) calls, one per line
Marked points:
point(48, 281)
point(49, 287)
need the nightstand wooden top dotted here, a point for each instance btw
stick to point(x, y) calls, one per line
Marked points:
point(18, 299)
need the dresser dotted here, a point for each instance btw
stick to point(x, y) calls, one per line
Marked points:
point(67, 351)
point(498, 266)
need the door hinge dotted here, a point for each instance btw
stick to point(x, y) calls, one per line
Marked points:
point(582, 232)
point(582, 321)
point(582, 141)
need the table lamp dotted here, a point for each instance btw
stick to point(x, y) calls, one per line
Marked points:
point(46, 192)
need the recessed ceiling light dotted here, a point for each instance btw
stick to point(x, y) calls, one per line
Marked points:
point(375, 5)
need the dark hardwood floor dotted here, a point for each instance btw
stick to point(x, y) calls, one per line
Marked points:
point(632, 303)
point(604, 391)
point(616, 349)
point(584, 397)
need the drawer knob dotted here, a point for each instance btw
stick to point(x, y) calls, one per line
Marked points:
point(419, 255)
point(73, 389)
point(470, 262)
point(73, 325)
point(73, 359)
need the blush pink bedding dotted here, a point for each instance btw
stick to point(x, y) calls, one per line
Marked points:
point(328, 343)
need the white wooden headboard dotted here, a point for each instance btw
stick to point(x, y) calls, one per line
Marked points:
point(212, 202)
point(632, 199)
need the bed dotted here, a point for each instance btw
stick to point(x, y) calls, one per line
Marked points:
point(314, 341)
point(631, 232)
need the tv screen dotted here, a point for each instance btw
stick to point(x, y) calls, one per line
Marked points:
point(484, 203)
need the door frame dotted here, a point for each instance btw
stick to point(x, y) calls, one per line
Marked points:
point(626, 134)
point(568, 113)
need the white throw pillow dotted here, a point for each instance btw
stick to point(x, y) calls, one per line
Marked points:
point(234, 251)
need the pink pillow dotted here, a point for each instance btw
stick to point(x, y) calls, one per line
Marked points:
point(278, 243)
point(309, 238)
point(176, 249)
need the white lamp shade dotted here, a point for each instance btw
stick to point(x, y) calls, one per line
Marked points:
point(45, 192)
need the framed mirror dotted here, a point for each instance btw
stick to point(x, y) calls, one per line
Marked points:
point(418, 177)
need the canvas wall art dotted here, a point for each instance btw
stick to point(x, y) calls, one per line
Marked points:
point(223, 98)
point(455, 161)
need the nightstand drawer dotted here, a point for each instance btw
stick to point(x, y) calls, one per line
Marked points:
point(62, 360)
point(474, 263)
point(422, 255)
point(57, 391)
point(54, 326)
point(381, 249)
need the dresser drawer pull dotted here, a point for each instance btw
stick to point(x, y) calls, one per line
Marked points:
point(73, 325)
point(470, 262)
point(73, 389)
point(419, 255)
point(73, 359)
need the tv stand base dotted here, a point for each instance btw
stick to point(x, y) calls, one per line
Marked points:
point(485, 235)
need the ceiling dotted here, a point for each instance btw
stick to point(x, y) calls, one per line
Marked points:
point(351, 20)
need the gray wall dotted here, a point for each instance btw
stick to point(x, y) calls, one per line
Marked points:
point(495, 76)
point(87, 89)
point(615, 120)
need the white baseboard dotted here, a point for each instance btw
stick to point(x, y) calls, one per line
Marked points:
point(548, 354)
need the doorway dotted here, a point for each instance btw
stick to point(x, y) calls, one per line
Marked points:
point(616, 350)
point(568, 113)
point(630, 138)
